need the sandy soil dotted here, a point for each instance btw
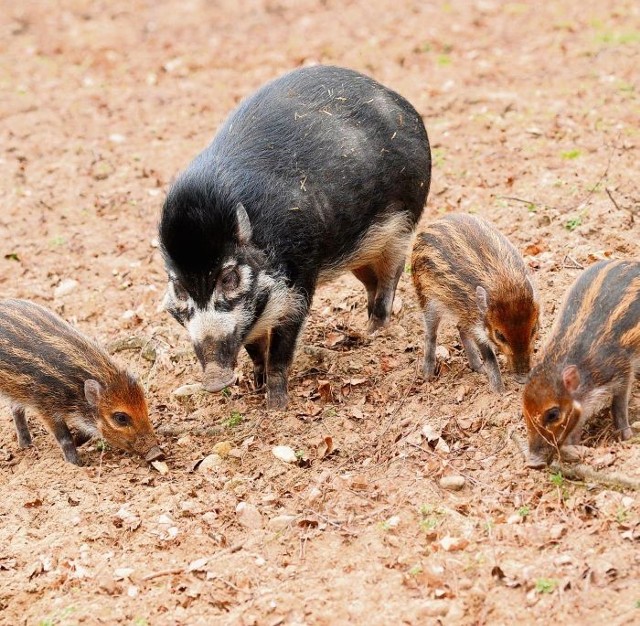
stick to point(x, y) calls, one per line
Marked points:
point(533, 110)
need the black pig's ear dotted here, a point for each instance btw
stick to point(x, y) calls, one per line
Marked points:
point(92, 391)
point(244, 225)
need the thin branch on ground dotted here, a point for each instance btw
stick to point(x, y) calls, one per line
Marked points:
point(580, 471)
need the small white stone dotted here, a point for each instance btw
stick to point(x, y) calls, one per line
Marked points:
point(65, 287)
point(248, 516)
point(285, 454)
point(187, 390)
point(281, 522)
point(453, 482)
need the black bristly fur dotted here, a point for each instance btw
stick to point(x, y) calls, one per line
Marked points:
point(317, 158)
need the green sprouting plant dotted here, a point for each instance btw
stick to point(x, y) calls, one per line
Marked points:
point(415, 570)
point(101, 445)
point(573, 222)
point(571, 154)
point(523, 511)
point(557, 479)
point(57, 619)
point(546, 585)
point(235, 419)
point(622, 515)
point(430, 517)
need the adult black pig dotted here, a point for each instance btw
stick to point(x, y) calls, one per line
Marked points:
point(320, 172)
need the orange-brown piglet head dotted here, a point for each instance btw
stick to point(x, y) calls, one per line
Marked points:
point(121, 415)
point(550, 410)
point(511, 322)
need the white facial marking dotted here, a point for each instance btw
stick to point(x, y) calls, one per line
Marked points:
point(282, 303)
point(215, 325)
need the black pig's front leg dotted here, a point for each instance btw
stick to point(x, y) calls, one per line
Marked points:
point(281, 349)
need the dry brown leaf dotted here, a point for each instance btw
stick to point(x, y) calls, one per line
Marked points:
point(161, 467)
point(324, 448)
point(324, 389)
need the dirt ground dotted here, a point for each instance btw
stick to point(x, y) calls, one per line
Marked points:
point(533, 111)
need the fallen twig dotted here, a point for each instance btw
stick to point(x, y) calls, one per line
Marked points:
point(615, 204)
point(183, 570)
point(573, 264)
point(580, 471)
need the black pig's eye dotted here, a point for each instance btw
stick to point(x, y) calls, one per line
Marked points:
point(120, 418)
point(551, 416)
point(229, 280)
point(500, 337)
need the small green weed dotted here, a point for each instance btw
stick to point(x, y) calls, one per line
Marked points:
point(546, 585)
point(523, 511)
point(415, 570)
point(236, 418)
point(557, 479)
point(571, 154)
point(102, 445)
point(57, 619)
point(572, 223)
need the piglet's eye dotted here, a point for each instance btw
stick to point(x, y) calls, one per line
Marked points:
point(121, 419)
point(551, 416)
point(500, 337)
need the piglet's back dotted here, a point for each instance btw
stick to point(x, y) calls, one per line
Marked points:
point(600, 316)
point(44, 361)
point(458, 252)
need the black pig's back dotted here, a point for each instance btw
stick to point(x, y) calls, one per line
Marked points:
point(317, 157)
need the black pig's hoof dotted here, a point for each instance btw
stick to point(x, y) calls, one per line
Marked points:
point(277, 401)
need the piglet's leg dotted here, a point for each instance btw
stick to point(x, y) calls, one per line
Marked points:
point(491, 367)
point(471, 350)
point(22, 428)
point(431, 322)
point(64, 438)
point(620, 410)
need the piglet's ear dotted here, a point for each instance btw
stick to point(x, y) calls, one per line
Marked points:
point(244, 224)
point(92, 391)
point(481, 299)
point(571, 378)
